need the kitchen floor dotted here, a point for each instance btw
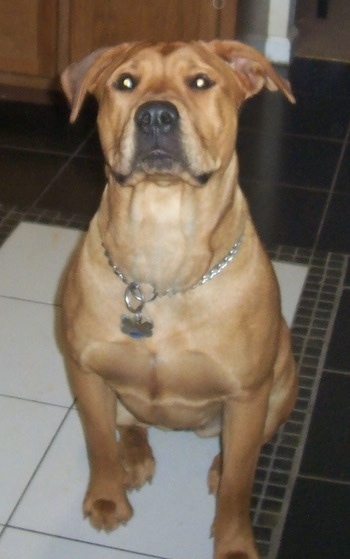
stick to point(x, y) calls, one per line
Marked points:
point(325, 38)
point(295, 171)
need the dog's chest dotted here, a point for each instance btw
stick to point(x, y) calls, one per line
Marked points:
point(159, 373)
point(177, 389)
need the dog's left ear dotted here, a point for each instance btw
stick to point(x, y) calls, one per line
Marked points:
point(253, 70)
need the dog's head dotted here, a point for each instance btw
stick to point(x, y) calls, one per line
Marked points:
point(168, 111)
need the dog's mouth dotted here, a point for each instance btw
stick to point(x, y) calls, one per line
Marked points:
point(164, 170)
point(156, 159)
point(160, 165)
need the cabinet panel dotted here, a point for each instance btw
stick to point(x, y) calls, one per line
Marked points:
point(94, 24)
point(39, 38)
point(28, 37)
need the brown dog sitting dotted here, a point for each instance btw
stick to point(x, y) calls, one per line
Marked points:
point(171, 307)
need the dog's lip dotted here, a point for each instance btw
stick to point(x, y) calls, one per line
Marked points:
point(203, 178)
point(157, 152)
point(160, 162)
point(198, 179)
point(157, 157)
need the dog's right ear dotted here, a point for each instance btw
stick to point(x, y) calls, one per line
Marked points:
point(77, 79)
point(81, 77)
point(251, 67)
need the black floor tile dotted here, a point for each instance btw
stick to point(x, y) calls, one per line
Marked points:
point(347, 278)
point(312, 115)
point(317, 524)
point(24, 175)
point(92, 148)
point(338, 355)
point(78, 188)
point(335, 234)
point(284, 215)
point(256, 112)
point(343, 179)
point(42, 127)
point(327, 451)
point(289, 160)
point(320, 77)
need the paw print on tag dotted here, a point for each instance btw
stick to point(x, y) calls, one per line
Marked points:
point(136, 326)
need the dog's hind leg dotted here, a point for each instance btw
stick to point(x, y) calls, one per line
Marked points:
point(136, 456)
point(214, 474)
point(284, 389)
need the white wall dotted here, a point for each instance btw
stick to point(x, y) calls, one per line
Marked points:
point(268, 25)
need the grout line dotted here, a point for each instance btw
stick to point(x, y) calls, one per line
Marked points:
point(40, 151)
point(322, 479)
point(24, 300)
point(294, 473)
point(336, 372)
point(33, 401)
point(85, 542)
point(283, 185)
point(297, 135)
point(36, 469)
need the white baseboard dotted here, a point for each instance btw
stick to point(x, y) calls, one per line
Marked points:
point(276, 49)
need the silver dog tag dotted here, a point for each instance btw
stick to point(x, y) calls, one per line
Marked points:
point(136, 326)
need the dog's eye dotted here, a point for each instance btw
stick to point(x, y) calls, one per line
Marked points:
point(200, 81)
point(126, 82)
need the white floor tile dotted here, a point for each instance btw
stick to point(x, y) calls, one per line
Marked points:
point(31, 366)
point(172, 516)
point(26, 429)
point(16, 544)
point(291, 278)
point(32, 260)
point(35, 252)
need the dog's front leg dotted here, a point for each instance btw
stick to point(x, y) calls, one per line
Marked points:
point(243, 427)
point(105, 503)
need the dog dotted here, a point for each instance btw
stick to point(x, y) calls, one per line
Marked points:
point(171, 309)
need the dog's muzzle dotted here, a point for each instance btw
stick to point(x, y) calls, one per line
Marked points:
point(158, 145)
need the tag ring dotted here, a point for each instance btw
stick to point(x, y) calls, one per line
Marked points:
point(134, 293)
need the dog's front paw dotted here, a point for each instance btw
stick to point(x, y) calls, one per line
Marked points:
point(107, 514)
point(234, 543)
point(238, 550)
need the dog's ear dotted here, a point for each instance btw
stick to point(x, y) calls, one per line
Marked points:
point(81, 77)
point(253, 70)
point(77, 79)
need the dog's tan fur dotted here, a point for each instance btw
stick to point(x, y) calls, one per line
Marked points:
point(219, 360)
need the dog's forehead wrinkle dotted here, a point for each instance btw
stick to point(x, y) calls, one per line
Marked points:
point(172, 56)
point(138, 66)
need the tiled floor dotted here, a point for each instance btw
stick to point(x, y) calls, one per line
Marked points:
point(295, 171)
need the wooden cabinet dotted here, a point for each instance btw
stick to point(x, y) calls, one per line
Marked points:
point(94, 23)
point(39, 38)
point(28, 40)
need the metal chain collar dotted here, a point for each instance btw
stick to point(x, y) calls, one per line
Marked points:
point(138, 326)
point(135, 286)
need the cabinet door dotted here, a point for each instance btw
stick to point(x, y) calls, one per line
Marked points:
point(95, 23)
point(28, 37)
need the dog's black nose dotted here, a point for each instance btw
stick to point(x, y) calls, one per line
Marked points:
point(157, 117)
